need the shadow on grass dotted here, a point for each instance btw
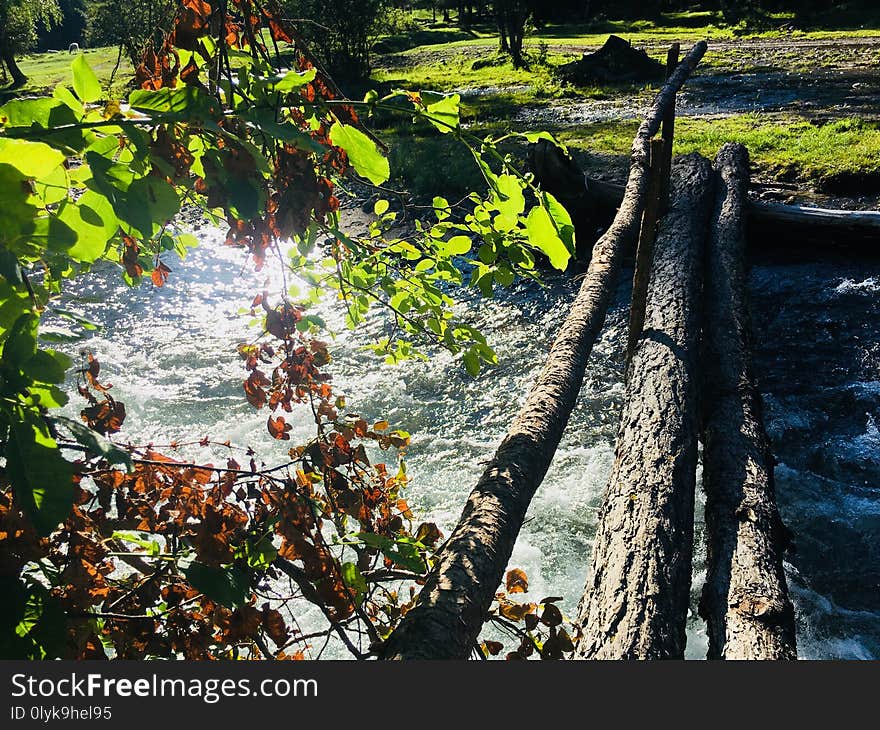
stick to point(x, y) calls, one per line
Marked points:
point(424, 37)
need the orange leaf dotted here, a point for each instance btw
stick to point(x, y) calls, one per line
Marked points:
point(160, 274)
point(279, 428)
point(517, 581)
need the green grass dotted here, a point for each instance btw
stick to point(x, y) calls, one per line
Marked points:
point(828, 156)
point(443, 58)
point(823, 156)
point(783, 148)
point(46, 70)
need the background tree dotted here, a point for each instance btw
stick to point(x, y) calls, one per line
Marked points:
point(512, 17)
point(71, 28)
point(132, 25)
point(20, 21)
point(339, 33)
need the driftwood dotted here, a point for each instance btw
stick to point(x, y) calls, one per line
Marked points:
point(456, 597)
point(777, 224)
point(636, 598)
point(615, 62)
point(745, 599)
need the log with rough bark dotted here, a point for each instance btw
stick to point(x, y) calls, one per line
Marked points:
point(636, 598)
point(745, 599)
point(778, 224)
point(456, 597)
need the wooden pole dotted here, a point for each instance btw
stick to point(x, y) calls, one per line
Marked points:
point(453, 604)
point(636, 598)
point(658, 197)
point(668, 132)
point(645, 249)
point(745, 598)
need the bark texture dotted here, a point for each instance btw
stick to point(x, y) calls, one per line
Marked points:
point(8, 58)
point(453, 604)
point(775, 225)
point(745, 600)
point(636, 599)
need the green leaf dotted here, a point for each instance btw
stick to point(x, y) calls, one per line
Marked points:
point(47, 366)
point(402, 552)
point(535, 136)
point(48, 396)
point(228, 586)
point(129, 536)
point(33, 624)
point(294, 80)
point(93, 221)
point(562, 221)
point(63, 94)
point(456, 246)
point(472, 362)
point(97, 444)
point(41, 479)
point(351, 574)
point(443, 111)
point(511, 201)
point(543, 236)
point(363, 153)
point(185, 102)
point(41, 112)
point(9, 267)
point(22, 343)
point(32, 159)
point(85, 83)
point(504, 275)
point(260, 554)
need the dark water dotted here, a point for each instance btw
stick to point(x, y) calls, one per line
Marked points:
point(817, 327)
point(171, 356)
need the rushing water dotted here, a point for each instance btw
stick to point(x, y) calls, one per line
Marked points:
point(170, 354)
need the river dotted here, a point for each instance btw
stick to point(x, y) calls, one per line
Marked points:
point(170, 354)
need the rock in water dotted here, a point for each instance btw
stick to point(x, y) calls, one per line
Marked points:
point(617, 61)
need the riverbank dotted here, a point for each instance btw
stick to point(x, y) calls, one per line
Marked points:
point(804, 103)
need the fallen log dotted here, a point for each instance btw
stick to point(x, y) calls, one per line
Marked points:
point(455, 600)
point(745, 598)
point(635, 603)
point(778, 224)
point(615, 62)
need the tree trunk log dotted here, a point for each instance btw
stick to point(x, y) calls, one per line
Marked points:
point(636, 599)
point(745, 599)
point(8, 58)
point(453, 604)
point(776, 225)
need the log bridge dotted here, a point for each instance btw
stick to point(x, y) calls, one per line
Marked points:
point(688, 379)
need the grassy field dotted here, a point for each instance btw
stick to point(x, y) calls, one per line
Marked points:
point(829, 156)
point(819, 155)
point(46, 70)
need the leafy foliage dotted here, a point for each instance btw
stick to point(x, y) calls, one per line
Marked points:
point(126, 551)
point(20, 20)
point(133, 25)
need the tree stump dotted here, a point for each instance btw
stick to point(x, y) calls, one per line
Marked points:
point(616, 62)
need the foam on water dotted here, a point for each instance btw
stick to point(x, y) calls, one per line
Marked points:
point(866, 286)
